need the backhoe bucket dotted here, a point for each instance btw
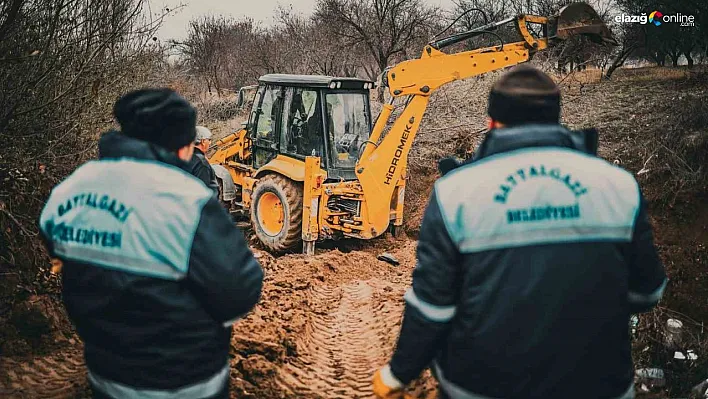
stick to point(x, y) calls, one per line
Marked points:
point(580, 19)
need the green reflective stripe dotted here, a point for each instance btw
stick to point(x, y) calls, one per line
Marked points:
point(118, 262)
point(545, 236)
point(440, 314)
point(647, 299)
point(204, 389)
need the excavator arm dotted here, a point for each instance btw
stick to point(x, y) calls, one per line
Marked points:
point(383, 161)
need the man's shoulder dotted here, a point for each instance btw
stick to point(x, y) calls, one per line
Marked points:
point(204, 161)
point(198, 161)
point(134, 177)
point(195, 160)
point(544, 159)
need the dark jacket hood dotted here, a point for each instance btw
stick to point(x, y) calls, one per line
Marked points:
point(114, 144)
point(536, 135)
point(498, 141)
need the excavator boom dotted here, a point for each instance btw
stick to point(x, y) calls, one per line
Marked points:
point(305, 167)
point(383, 161)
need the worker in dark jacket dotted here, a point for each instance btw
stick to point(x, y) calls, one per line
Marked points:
point(198, 165)
point(154, 272)
point(531, 260)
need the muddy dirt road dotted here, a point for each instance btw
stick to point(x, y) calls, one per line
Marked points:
point(329, 332)
point(323, 327)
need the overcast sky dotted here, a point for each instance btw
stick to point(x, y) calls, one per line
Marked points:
point(175, 26)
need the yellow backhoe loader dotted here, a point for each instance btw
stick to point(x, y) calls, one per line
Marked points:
point(310, 165)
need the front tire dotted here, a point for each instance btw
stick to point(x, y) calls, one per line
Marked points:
point(276, 213)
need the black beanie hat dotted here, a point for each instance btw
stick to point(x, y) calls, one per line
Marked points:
point(524, 95)
point(158, 116)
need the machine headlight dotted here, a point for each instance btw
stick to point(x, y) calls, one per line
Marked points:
point(339, 85)
point(333, 85)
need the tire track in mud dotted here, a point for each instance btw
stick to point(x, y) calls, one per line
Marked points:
point(349, 336)
point(61, 375)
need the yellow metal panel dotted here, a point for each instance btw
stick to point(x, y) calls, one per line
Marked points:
point(399, 199)
point(292, 168)
point(423, 76)
point(231, 146)
point(535, 19)
point(311, 199)
point(380, 172)
point(237, 175)
point(378, 129)
point(536, 44)
point(247, 190)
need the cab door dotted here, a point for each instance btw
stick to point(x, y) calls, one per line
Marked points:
point(302, 129)
point(266, 127)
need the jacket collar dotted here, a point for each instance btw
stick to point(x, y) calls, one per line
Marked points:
point(533, 135)
point(113, 145)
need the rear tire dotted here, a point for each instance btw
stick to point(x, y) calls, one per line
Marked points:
point(276, 213)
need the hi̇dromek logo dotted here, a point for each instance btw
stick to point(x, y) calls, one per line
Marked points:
point(657, 18)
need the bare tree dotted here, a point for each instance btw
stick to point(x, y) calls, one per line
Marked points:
point(494, 10)
point(323, 52)
point(217, 51)
point(62, 65)
point(632, 39)
point(384, 28)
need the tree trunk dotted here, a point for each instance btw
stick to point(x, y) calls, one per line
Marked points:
point(611, 70)
point(618, 61)
point(674, 60)
point(659, 58)
point(217, 84)
point(689, 59)
point(382, 67)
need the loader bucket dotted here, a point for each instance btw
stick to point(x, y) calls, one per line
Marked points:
point(580, 19)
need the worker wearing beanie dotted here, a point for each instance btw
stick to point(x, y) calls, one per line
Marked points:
point(154, 273)
point(531, 260)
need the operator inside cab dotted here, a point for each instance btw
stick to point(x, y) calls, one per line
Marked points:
point(304, 135)
point(530, 261)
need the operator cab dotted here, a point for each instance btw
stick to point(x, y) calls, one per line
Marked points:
point(304, 115)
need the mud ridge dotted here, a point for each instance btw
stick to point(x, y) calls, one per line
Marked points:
point(61, 375)
point(346, 340)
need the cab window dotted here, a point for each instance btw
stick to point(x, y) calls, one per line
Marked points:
point(303, 129)
point(349, 126)
point(269, 113)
